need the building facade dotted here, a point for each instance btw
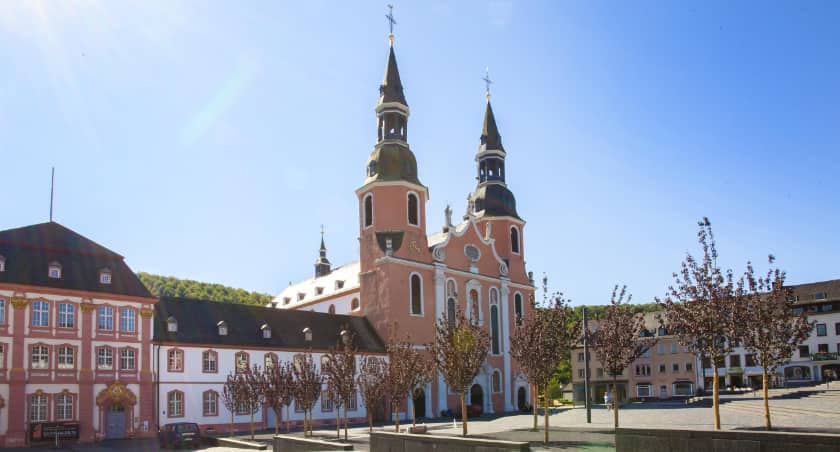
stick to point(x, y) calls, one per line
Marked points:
point(407, 278)
point(75, 338)
point(666, 370)
point(194, 354)
point(816, 359)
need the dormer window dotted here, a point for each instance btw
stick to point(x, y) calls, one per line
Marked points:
point(339, 284)
point(223, 328)
point(266, 331)
point(171, 325)
point(105, 276)
point(307, 334)
point(820, 296)
point(286, 300)
point(319, 290)
point(301, 296)
point(2, 264)
point(54, 270)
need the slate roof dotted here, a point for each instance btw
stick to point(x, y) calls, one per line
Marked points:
point(391, 89)
point(490, 138)
point(817, 292)
point(198, 320)
point(29, 250)
point(348, 274)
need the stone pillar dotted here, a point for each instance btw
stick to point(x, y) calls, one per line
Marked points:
point(508, 390)
point(147, 395)
point(17, 420)
point(87, 431)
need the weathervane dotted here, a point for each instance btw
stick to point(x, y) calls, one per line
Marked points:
point(391, 23)
point(487, 82)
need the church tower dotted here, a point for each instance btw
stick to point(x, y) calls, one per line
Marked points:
point(392, 214)
point(322, 265)
point(492, 204)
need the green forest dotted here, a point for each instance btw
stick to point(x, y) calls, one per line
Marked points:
point(169, 286)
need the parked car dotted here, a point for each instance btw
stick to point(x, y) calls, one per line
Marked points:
point(180, 434)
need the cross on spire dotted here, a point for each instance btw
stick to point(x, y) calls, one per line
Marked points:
point(391, 23)
point(487, 82)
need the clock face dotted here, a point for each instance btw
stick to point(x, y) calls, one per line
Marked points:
point(472, 252)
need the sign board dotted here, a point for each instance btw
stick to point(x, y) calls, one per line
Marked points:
point(48, 431)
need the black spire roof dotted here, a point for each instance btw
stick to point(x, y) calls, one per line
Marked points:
point(322, 265)
point(490, 137)
point(391, 89)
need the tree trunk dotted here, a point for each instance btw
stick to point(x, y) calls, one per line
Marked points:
point(305, 430)
point(715, 395)
point(370, 420)
point(288, 418)
point(413, 413)
point(534, 403)
point(394, 408)
point(252, 424)
point(345, 421)
point(337, 423)
point(615, 401)
point(311, 420)
point(277, 414)
point(231, 422)
point(764, 381)
point(546, 412)
point(464, 413)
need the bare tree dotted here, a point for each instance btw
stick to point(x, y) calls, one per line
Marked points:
point(772, 329)
point(619, 339)
point(230, 396)
point(540, 343)
point(340, 373)
point(277, 390)
point(251, 387)
point(703, 309)
point(373, 373)
point(419, 373)
point(399, 378)
point(459, 351)
point(308, 383)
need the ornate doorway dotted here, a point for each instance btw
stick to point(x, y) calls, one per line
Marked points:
point(115, 422)
point(116, 407)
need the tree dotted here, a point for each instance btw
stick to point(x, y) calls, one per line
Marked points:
point(619, 339)
point(308, 383)
point(373, 373)
point(703, 309)
point(340, 372)
point(277, 391)
point(251, 388)
point(459, 351)
point(772, 329)
point(419, 373)
point(230, 396)
point(540, 342)
point(399, 378)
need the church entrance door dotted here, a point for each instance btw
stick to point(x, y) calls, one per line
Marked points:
point(521, 401)
point(476, 400)
point(420, 403)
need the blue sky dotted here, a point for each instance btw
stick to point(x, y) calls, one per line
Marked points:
point(209, 141)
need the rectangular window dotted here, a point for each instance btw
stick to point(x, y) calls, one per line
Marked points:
point(106, 318)
point(40, 313)
point(176, 404)
point(326, 402)
point(674, 348)
point(689, 367)
point(735, 361)
point(837, 328)
point(749, 360)
point(822, 348)
point(40, 357)
point(821, 329)
point(210, 404)
point(351, 404)
point(642, 390)
point(105, 358)
point(128, 360)
point(683, 388)
point(2, 356)
point(646, 353)
point(38, 408)
point(643, 370)
point(581, 373)
point(3, 312)
point(675, 368)
point(64, 407)
point(580, 354)
point(208, 360)
point(599, 372)
point(128, 320)
point(241, 408)
point(175, 361)
point(660, 348)
point(662, 368)
point(66, 316)
point(65, 357)
point(804, 351)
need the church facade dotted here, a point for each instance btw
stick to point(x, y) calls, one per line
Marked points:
point(406, 278)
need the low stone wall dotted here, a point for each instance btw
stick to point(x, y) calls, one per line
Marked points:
point(289, 442)
point(644, 440)
point(239, 444)
point(406, 442)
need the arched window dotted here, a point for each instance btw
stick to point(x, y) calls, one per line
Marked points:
point(175, 402)
point(223, 328)
point(451, 297)
point(368, 210)
point(172, 325)
point(413, 211)
point(517, 308)
point(175, 360)
point(54, 270)
point(416, 295)
point(514, 239)
point(64, 407)
point(494, 329)
point(242, 362)
point(496, 382)
point(355, 305)
point(210, 403)
point(270, 360)
point(209, 362)
point(474, 307)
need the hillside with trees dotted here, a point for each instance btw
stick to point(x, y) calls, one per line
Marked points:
point(175, 287)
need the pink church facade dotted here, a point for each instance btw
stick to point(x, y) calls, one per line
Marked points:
point(406, 278)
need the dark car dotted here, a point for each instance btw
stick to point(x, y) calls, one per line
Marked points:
point(180, 434)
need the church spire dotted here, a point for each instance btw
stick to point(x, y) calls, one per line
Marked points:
point(322, 265)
